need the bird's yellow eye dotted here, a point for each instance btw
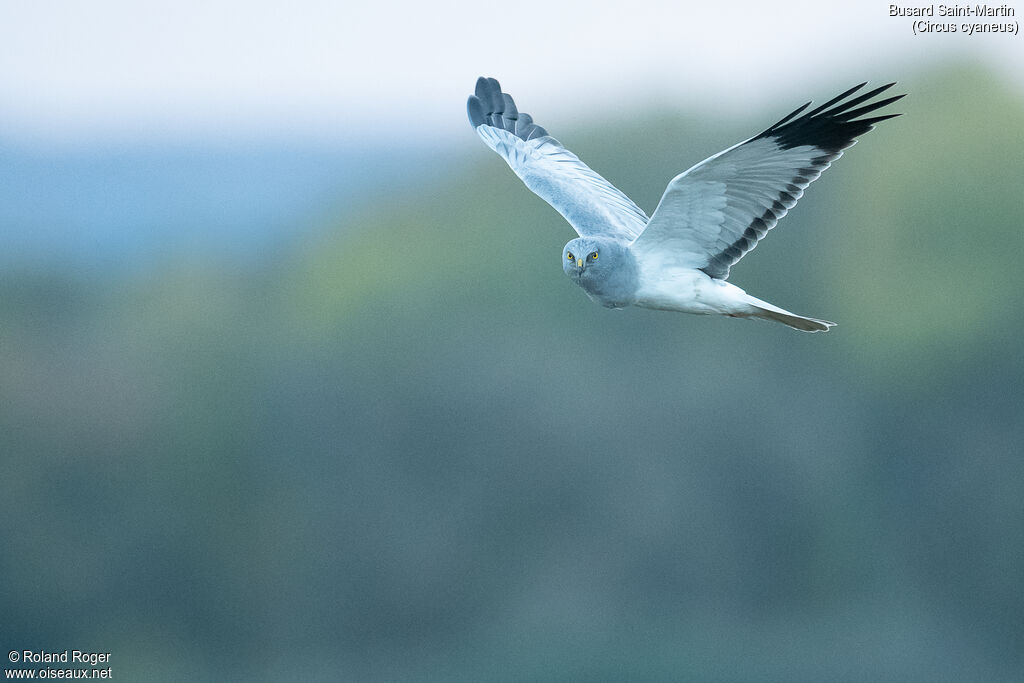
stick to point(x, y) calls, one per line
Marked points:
point(570, 256)
point(593, 256)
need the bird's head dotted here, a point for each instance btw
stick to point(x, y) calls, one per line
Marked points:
point(585, 257)
point(604, 267)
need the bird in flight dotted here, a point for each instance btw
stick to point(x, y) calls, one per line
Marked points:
point(707, 219)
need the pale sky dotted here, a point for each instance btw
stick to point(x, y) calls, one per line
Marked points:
point(209, 68)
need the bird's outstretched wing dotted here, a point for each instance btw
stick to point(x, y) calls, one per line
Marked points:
point(714, 213)
point(591, 204)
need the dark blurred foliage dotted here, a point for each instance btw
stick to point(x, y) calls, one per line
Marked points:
point(409, 448)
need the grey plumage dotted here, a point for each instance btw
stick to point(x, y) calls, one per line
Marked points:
point(605, 268)
point(590, 203)
point(492, 107)
point(708, 218)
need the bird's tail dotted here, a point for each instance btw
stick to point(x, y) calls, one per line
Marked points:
point(766, 311)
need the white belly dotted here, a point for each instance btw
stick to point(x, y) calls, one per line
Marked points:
point(692, 291)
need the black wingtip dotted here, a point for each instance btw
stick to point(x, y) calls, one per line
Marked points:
point(475, 110)
point(835, 99)
point(866, 109)
point(832, 126)
point(790, 115)
point(483, 85)
point(488, 89)
point(489, 106)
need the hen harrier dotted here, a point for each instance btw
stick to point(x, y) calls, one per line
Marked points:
point(708, 218)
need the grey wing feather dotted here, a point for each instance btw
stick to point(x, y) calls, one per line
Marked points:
point(717, 211)
point(591, 204)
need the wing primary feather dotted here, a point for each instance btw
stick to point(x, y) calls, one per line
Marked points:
point(509, 106)
point(482, 88)
point(845, 106)
point(475, 109)
point(785, 119)
point(867, 109)
point(870, 123)
point(835, 99)
point(494, 93)
point(489, 92)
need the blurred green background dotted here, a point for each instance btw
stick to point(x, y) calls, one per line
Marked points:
point(402, 445)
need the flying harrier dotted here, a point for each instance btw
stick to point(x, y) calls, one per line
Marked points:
point(708, 218)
